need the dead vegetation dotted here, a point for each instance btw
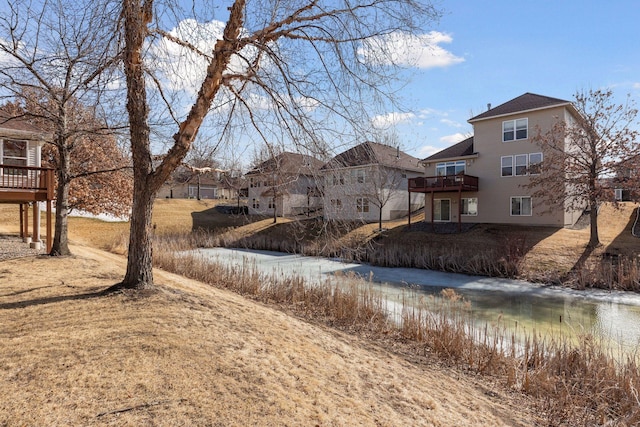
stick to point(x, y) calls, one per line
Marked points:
point(573, 384)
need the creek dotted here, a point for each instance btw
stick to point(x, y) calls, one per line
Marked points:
point(515, 306)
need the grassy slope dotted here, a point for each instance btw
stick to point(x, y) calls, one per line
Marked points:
point(190, 354)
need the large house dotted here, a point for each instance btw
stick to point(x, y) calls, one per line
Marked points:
point(22, 179)
point(369, 183)
point(284, 185)
point(481, 179)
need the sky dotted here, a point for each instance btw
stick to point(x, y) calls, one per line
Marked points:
point(497, 50)
point(478, 53)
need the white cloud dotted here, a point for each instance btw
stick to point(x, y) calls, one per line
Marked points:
point(383, 121)
point(182, 68)
point(636, 85)
point(427, 150)
point(421, 51)
point(452, 123)
point(455, 138)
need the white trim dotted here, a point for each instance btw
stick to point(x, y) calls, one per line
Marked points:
point(434, 211)
point(477, 203)
point(520, 197)
point(501, 166)
point(515, 164)
point(515, 129)
point(513, 113)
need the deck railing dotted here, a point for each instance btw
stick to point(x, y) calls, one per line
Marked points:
point(28, 179)
point(425, 184)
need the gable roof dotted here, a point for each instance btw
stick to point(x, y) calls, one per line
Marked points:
point(288, 163)
point(461, 149)
point(526, 102)
point(373, 153)
point(19, 127)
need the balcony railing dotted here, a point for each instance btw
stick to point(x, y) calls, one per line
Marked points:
point(428, 184)
point(26, 183)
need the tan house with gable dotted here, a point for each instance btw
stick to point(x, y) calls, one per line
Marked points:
point(480, 179)
point(284, 185)
point(369, 183)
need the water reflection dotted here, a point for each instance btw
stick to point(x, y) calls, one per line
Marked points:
point(517, 307)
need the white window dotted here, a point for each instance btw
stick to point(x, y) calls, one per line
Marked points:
point(470, 206)
point(535, 162)
point(515, 129)
point(255, 182)
point(521, 164)
point(442, 210)
point(358, 176)
point(451, 168)
point(521, 206)
point(336, 203)
point(255, 203)
point(272, 204)
point(507, 166)
point(337, 179)
point(14, 153)
point(618, 194)
point(362, 204)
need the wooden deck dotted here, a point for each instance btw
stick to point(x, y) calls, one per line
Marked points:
point(431, 184)
point(25, 185)
point(19, 184)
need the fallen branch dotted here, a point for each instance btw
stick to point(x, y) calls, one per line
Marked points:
point(133, 408)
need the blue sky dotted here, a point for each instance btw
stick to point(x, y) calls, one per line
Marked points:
point(506, 48)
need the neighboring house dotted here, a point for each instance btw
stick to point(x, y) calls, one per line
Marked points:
point(369, 183)
point(194, 186)
point(625, 182)
point(186, 184)
point(480, 180)
point(284, 185)
point(22, 179)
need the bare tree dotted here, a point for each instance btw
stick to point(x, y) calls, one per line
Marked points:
point(311, 61)
point(56, 55)
point(579, 152)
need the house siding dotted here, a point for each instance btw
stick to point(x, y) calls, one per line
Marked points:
point(495, 191)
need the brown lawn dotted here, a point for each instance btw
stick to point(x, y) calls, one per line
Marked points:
point(190, 354)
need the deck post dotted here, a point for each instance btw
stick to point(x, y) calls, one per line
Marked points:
point(25, 221)
point(21, 221)
point(409, 210)
point(459, 209)
point(432, 208)
point(35, 241)
point(49, 233)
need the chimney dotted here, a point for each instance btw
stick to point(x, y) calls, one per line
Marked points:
point(398, 152)
point(488, 106)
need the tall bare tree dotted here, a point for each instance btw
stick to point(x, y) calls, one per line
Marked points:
point(580, 151)
point(56, 54)
point(317, 64)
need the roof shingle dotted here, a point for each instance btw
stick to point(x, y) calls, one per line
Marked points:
point(461, 149)
point(525, 102)
point(373, 153)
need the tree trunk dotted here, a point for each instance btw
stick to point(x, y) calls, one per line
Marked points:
point(139, 273)
point(380, 219)
point(60, 245)
point(594, 240)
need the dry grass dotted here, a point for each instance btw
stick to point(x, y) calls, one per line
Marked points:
point(160, 359)
point(190, 354)
point(574, 384)
point(581, 383)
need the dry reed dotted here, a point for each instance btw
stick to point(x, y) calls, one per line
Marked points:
point(581, 384)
